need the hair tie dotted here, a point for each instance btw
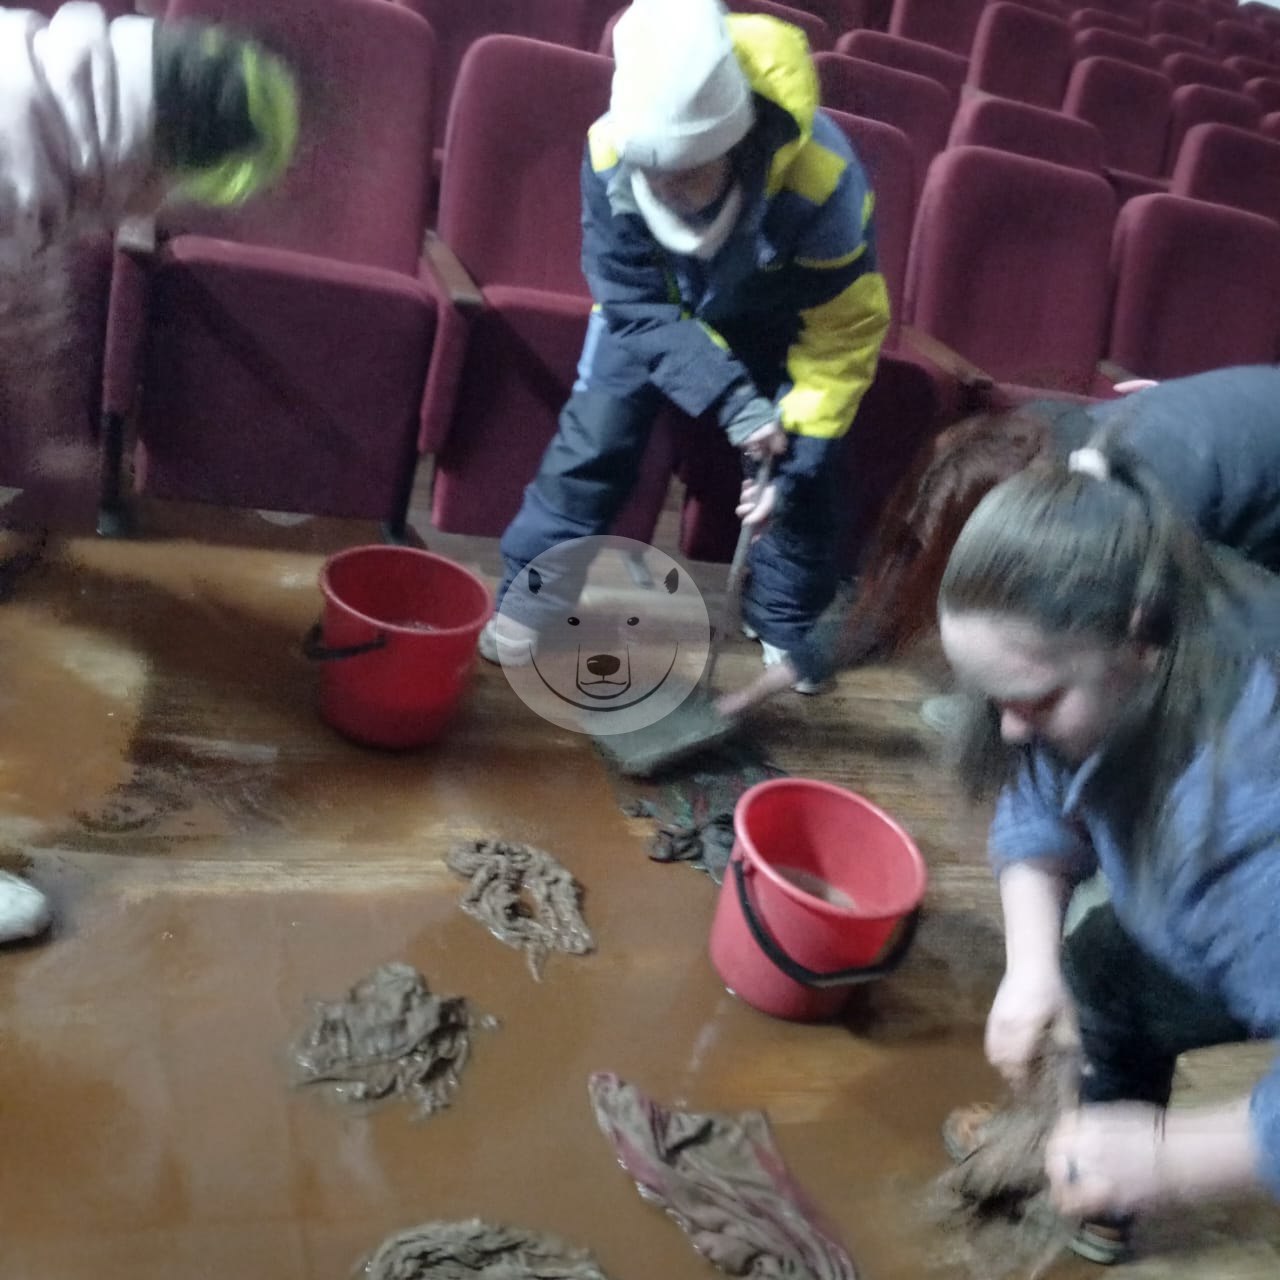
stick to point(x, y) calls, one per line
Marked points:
point(1090, 462)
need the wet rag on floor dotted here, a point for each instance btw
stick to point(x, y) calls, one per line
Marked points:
point(389, 1037)
point(723, 1179)
point(524, 897)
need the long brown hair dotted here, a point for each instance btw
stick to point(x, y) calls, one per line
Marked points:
point(897, 599)
point(1109, 559)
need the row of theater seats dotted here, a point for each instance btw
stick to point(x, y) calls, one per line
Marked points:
point(1019, 265)
point(1142, 115)
point(956, 25)
point(277, 358)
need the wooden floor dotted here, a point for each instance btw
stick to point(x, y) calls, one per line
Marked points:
point(217, 857)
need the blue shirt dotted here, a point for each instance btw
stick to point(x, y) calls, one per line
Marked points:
point(1217, 923)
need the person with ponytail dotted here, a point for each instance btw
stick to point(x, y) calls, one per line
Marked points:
point(1211, 439)
point(1124, 710)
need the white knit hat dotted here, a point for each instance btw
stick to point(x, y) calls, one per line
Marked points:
point(680, 98)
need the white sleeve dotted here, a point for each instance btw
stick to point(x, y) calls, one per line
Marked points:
point(76, 122)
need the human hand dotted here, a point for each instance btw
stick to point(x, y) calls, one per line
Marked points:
point(757, 504)
point(769, 442)
point(1106, 1160)
point(1026, 1007)
point(782, 675)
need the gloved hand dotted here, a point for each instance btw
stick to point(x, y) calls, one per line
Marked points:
point(226, 112)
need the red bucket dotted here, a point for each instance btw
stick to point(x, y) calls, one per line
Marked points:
point(397, 643)
point(822, 894)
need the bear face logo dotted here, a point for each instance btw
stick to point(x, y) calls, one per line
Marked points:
point(620, 635)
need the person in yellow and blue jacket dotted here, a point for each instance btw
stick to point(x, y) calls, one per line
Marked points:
point(728, 241)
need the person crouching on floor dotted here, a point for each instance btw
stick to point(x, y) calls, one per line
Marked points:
point(1126, 715)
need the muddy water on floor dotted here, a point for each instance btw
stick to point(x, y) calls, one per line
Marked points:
point(159, 712)
point(146, 1083)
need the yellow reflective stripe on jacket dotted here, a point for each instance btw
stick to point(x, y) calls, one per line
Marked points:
point(833, 361)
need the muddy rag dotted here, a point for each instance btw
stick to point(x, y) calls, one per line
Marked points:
point(465, 1250)
point(389, 1037)
point(997, 1199)
point(694, 813)
point(524, 897)
point(723, 1180)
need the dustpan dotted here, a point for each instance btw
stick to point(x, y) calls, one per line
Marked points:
point(695, 725)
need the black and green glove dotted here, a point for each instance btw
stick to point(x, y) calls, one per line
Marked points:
point(226, 113)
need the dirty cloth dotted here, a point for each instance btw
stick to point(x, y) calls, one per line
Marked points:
point(694, 812)
point(723, 1180)
point(997, 1199)
point(390, 1037)
point(524, 897)
point(465, 1250)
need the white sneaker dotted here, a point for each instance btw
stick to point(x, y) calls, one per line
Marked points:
point(773, 655)
point(24, 910)
point(943, 713)
point(507, 642)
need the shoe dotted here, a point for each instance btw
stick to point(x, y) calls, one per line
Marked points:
point(965, 1130)
point(773, 655)
point(944, 713)
point(24, 910)
point(506, 642)
point(1106, 1242)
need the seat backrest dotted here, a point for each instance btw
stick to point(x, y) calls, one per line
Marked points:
point(920, 107)
point(1027, 131)
point(1170, 18)
point(1168, 44)
point(1094, 19)
point(1265, 91)
point(1095, 42)
point(510, 204)
point(1241, 38)
point(359, 186)
point(1189, 68)
point(458, 23)
point(1057, 8)
point(816, 30)
point(1009, 265)
point(1128, 105)
point(1250, 68)
point(890, 164)
point(948, 69)
point(1021, 54)
point(1195, 104)
point(1137, 11)
point(949, 24)
point(1197, 287)
point(1231, 166)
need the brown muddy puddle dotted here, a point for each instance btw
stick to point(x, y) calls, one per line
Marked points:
point(218, 857)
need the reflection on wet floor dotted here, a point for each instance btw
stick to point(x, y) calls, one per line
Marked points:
point(219, 858)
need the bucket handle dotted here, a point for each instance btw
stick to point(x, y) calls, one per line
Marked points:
point(314, 647)
point(886, 963)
